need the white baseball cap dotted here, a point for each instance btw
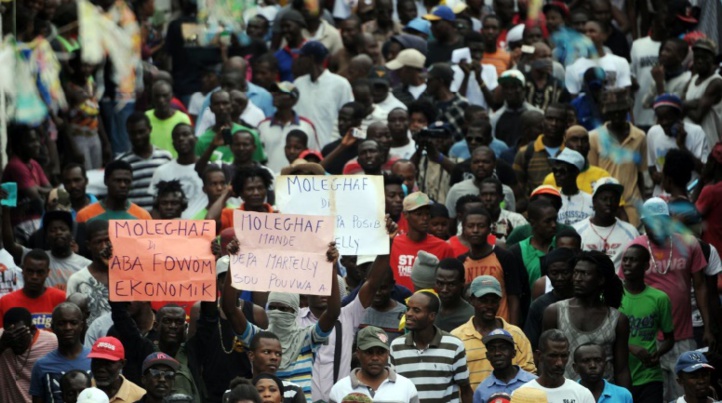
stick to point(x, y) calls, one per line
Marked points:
point(93, 395)
point(407, 58)
point(571, 157)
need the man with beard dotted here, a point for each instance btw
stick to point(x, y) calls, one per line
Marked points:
point(158, 377)
point(92, 280)
point(67, 325)
point(58, 227)
point(107, 360)
point(20, 342)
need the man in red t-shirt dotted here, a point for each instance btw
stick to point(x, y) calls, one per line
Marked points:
point(405, 247)
point(34, 296)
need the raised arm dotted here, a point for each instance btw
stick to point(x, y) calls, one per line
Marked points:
point(205, 157)
point(333, 309)
point(378, 269)
point(229, 300)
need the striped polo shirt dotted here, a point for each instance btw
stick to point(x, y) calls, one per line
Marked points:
point(437, 371)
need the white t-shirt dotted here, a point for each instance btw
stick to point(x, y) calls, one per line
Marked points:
point(252, 115)
point(190, 181)
point(569, 392)
point(321, 100)
point(658, 144)
point(196, 103)
point(473, 92)
point(11, 276)
point(612, 240)
point(575, 208)
point(84, 283)
point(617, 69)
point(644, 55)
point(404, 152)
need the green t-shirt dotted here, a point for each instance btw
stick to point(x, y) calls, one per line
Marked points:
point(519, 234)
point(161, 135)
point(649, 312)
point(530, 257)
point(223, 153)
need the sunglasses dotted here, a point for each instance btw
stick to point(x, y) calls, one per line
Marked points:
point(157, 374)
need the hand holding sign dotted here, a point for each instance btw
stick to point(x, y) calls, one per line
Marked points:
point(283, 252)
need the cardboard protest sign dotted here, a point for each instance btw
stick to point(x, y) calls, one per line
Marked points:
point(355, 201)
point(282, 252)
point(162, 260)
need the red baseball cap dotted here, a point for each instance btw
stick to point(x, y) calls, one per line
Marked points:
point(545, 190)
point(107, 348)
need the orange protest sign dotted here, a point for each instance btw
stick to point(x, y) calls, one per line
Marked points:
point(162, 260)
point(282, 252)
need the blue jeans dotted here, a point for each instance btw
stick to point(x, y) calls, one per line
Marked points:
point(114, 122)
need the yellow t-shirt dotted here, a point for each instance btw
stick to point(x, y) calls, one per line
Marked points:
point(585, 180)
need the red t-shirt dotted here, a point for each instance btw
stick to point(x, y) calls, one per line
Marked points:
point(41, 308)
point(26, 176)
point(458, 247)
point(708, 205)
point(404, 251)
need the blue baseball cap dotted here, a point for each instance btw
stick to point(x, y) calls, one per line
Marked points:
point(314, 49)
point(441, 13)
point(498, 334)
point(691, 361)
point(420, 25)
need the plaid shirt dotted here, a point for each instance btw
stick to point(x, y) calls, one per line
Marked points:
point(452, 112)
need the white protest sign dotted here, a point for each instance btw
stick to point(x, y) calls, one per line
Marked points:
point(282, 252)
point(356, 201)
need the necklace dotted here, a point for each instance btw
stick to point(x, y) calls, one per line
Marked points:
point(220, 336)
point(654, 262)
point(604, 239)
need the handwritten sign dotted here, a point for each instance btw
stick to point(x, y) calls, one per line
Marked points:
point(162, 260)
point(355, 201)
point(282, 252)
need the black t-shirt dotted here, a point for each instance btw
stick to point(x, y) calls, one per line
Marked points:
point(533, 324)
point(508, 128)
point(336, 166)
point(617, 43)
point(503, 172)
point(440, 53)
point(188, 58)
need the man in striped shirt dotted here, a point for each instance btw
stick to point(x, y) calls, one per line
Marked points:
point(434, 360)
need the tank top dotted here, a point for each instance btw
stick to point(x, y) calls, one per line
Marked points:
point(712, 122)
point(604, 336)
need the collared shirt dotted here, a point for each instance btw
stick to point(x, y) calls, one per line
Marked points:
point(452, 112)
point(492, 385)
point(438, 370)
point(479, 365)
point(394, 389)
point(614, 394)
point(273, 134)
point(537, 167)
point(128, 392)
point(351, 317)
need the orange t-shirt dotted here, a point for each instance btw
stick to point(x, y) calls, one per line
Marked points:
point(227, 215)
point(500, 59)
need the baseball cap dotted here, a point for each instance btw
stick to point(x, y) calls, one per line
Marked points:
point(372, 336)
point(683, 10)
point(499, 397)
point(691, 361)
point(92, 395)
point(607, 183)
point(498, 334)
point(670, 100)
point(441, 13)
point(529, 395)
point(706, 44)
point(545, 190)
point(654, 207)
point(314, 49)
point(511, 76)
point(107, 348)
point(407, 58)
point(441, 71)
point(286, 88)
point(420, 25)
point(515, 34)
point(569, 156)
point(483, 285)
point(222, 265)
point(160, 359)
point(379, 75)
point(415, 201)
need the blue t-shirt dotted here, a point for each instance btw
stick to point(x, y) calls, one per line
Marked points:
point(460, 149)
point(47, 371)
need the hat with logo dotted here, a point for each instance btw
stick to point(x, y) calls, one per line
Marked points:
point(512, 76)
point(571, 157)
point(529, 395)
point(415, 201)
point(407, 58)
point(498, 334)
point(499, 397)
point(418, 24)
point(483, 285)
point(286, 88)
point(379, 75)
point(608, 183)
point(160, 359)
point(92, 395)
point(441, 13)
point(372, 336)
point(705, 44)
point(107, 348)
point(691, 361)
point(654, 207)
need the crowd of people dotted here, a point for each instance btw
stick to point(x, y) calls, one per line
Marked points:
point(552, 177)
